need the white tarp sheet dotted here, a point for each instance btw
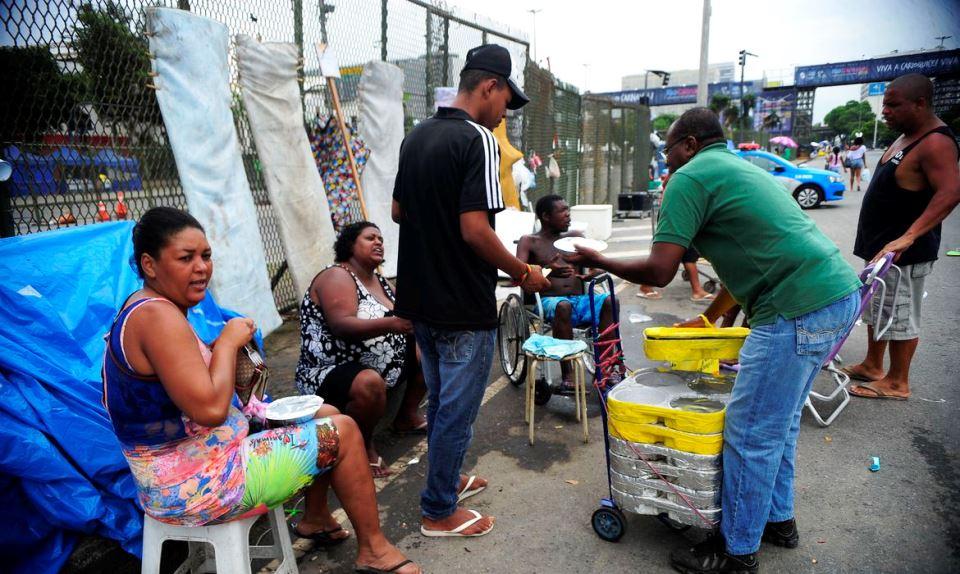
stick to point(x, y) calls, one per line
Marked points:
point(271, 96)
point(193, 90)
point(381, 126)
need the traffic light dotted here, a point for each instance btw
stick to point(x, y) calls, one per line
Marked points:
point(743, 57)
point(666, 78)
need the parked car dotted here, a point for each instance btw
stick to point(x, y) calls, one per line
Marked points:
point(808, 186)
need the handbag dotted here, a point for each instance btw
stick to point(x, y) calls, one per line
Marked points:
point(252, 374)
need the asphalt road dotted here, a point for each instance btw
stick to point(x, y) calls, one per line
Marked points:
point(904, 518)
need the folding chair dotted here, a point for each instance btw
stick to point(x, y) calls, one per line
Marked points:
point(874, 281)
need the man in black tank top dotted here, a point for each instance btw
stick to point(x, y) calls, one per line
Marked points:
point(914, 188)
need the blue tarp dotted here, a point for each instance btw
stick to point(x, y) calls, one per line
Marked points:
point(35, 174)
point(61, 469)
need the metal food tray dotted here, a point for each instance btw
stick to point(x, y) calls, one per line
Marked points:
point(685, 477)
point(656, 488)
point(654, 506)
point(662, 454)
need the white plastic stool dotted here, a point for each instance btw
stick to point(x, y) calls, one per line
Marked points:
point(230, 542)
point(579, 387)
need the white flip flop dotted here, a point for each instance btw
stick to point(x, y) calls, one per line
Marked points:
point(456, 532)
point(467, 492)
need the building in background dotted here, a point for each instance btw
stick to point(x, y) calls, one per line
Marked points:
point(716, 73)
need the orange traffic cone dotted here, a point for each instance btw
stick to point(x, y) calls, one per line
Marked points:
point(102, 213)
point(120, 208)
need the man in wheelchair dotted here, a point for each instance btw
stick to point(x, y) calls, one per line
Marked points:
point(565, 303)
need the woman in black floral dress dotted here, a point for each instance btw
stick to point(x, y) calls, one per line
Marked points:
point(352, 348)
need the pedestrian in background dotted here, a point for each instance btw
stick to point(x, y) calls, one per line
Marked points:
point(835, 161)
point(856, 160)
point(445, 196)
point(916, 186)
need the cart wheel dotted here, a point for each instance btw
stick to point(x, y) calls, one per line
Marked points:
point(542, 393)
point(710, 286)
point(609, 523)
point(685, 275)
point(512, 330)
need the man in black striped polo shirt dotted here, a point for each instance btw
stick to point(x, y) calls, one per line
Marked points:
point(445, 196)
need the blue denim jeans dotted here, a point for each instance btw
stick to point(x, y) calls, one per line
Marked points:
point(778, 364)
point(456, 366)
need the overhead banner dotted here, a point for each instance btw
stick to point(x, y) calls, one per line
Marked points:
point(878, 69)
point(673, 95)
point(779, 106)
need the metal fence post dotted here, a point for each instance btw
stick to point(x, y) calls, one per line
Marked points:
point(383, 30)
point(446, 51)
point(298, 40)
point(428, 63)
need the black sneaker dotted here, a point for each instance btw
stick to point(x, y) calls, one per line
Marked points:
point(710, 557)
point(782, 533)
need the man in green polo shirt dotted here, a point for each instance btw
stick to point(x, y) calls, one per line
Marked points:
point(800, 296)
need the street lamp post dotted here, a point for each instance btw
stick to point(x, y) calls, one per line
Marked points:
point(743, 109)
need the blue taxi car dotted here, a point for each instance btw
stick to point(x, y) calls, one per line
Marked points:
point(809, 186)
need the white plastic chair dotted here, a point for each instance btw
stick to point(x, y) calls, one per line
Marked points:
point(230, 541)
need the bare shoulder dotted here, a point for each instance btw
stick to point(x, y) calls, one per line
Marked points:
point(332, 278)
point(938, 147)
point(158, 316)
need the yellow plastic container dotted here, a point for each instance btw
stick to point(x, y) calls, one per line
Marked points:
point(693, 349)
point(668, 437)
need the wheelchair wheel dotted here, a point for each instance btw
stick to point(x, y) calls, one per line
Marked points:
point(512, 330)
point(609, 523)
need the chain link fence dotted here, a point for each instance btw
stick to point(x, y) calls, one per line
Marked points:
point(81, 126)
point(615, 149)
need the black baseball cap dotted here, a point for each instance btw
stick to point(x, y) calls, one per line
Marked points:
point(495, 59)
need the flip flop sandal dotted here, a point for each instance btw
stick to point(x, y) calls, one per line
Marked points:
point(457, 532)
point(848, 371)
point(322, 538)
point(466, 492)
point(878, 394)
point(704, 299)
point(654, 295)
point(372, 570)
point(379, 465)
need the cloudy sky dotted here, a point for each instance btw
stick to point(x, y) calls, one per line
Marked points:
point(592, 44)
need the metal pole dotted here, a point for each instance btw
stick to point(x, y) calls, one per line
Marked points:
point(298, 40)
point(742, 66)
point(704, 60)
point(383, 30)
point(428, 73)
point(446, 51)
point(534, 12)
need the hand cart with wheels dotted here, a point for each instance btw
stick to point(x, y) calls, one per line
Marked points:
point(663, 432)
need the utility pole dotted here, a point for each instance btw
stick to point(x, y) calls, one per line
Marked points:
point(743, 108)
point(534, 12)
point(942, 38)
point(704, 60)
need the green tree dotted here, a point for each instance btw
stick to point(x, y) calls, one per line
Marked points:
point(853, 117)
point(117, 63)
point(663, 122)
point(37, 96)
point(729, 112)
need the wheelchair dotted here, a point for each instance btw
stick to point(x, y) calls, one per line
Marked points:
point(519, 317)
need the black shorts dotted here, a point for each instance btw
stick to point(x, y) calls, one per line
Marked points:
point(691, 255)
point(335, 388)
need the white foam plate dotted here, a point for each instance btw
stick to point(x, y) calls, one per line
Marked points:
point(291, 409)
point(569, 244)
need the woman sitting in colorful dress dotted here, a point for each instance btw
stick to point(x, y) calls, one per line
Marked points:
point(352, 348)
point(170, 399)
